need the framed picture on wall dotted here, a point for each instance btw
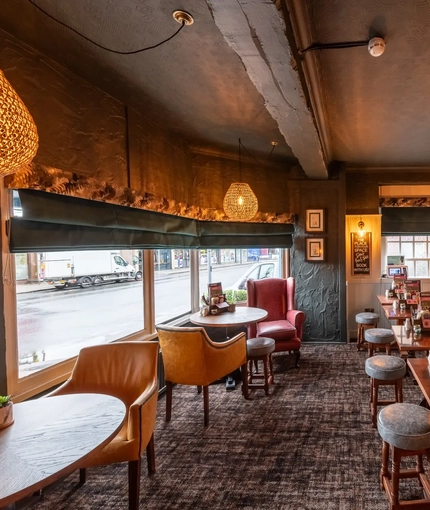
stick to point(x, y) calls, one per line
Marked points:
point(314, 220)
point(315, 249)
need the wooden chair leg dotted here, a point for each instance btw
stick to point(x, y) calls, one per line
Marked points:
point(134, 467)
point(297, 355)
point(266, 375)
point(82, 476)
point(271, 367)
point(206, 405)
point(245, 388)
point(169, 390)
point(150, 455)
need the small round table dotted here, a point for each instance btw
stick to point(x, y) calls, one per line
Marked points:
point(242, 316)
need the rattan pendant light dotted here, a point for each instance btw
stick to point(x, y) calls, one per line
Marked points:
point(240, 202)
point(18, 133)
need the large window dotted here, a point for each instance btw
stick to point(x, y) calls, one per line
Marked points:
point(415, 249)
point(234, 267)
point(73, 299)
point(172, 280)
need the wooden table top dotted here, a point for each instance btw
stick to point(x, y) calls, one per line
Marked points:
point(52, 437)
point(410, 341)
point(385, 301)
point(395, 313)
point(242, 315)
point(420, 370)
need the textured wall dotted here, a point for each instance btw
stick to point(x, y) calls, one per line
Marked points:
point(80, 128)
point(320, 286)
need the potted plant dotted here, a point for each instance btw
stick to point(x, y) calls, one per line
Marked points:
point(6, 411)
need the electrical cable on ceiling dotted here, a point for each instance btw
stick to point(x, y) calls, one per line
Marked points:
point(133, 52)
point(274, 144)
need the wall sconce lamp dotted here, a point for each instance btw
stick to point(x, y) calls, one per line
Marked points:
point(18, 133)
point(361, 225)
point(240, 202)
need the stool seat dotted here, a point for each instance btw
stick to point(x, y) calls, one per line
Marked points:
point(260, 349)
point(377, 338)
point(405, 432)
point(405, 426)
point(379, 335)
point(259, 346)
point(367, 318)
point(364, 320)
point(385, 368)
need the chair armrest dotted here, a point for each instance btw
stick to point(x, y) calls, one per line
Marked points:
point(142, 415)
point(297, 318)
point(222, 358)
point(64, 389)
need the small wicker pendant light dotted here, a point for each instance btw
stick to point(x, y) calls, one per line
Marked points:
point(240, 202)
point(18, 133)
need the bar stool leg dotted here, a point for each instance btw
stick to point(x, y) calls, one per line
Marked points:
point(395, 478)
point(384, 464)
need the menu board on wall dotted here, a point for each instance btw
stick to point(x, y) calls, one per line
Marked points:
point(361, 249)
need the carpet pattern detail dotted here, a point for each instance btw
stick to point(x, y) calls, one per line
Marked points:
point(309, 445)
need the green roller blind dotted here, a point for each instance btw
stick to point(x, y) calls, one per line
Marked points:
point(59, 222)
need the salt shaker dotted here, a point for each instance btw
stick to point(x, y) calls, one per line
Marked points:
point(408, 325)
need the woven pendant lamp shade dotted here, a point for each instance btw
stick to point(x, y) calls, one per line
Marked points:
point(18, 134)
point(240, 202)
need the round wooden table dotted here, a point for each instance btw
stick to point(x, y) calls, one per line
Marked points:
point(53, 436)
point(242, 316)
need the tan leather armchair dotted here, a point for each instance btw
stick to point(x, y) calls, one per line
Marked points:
point(191, 357)
point(128, 371)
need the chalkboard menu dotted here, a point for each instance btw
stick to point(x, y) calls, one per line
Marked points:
point(361, 252)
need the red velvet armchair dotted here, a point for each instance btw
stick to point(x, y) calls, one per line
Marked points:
point(284, 324)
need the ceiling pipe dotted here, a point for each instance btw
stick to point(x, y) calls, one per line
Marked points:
point(298, 35)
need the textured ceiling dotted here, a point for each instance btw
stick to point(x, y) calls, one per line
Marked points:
point(238, 72)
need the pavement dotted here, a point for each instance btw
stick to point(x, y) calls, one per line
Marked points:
point(25, 286)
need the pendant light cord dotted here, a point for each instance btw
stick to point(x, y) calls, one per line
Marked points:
point(133, 52)
point(240, 162)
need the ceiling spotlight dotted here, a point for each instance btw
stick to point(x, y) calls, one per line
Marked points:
point(376, 46)
point(183, 17)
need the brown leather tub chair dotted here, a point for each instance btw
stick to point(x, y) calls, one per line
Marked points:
point(191, 357)
point(283, 323)
point(128, 371)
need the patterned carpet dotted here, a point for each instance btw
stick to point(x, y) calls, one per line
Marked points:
point(309, 445)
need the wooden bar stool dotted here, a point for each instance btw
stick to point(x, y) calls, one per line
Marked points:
point(379, 338)
point(405, 432)
point(364, 320)
point(260, 349)
point(384, 370)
